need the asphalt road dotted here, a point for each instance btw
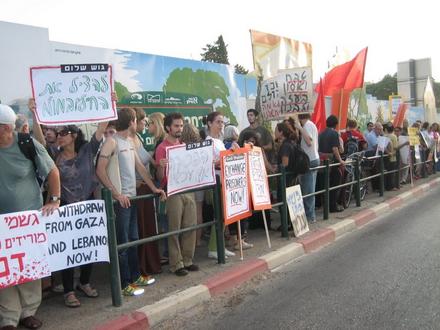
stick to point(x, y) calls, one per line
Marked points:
point(384, 276)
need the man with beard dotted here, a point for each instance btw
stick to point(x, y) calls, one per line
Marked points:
point(181, 208)
point(264, 136)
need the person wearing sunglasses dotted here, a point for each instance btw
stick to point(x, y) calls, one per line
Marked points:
point(74, 157)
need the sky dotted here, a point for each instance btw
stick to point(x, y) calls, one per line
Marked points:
point(394, 31)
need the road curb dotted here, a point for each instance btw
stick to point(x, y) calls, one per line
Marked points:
point(153, 314)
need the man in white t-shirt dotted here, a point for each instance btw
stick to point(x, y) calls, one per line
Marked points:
point(309, 143)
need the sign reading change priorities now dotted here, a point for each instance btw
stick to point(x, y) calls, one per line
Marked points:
point(291, 91)
point(73, 93)
point(235, 185)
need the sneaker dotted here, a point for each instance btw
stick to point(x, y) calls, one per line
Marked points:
point(244, 245)
point(132, 290)
point(213, 255)
point(229, 253)
point(192, 268)
point(144, 280)
point(181, 272)
point(58, 288)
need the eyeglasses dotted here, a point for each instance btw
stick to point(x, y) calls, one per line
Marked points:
point(64, 133)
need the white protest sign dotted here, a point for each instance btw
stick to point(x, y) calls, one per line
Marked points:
point(77, 235)
point(23, 248)
point(258, 179)
point(190, 166)
point(291, 91)
point(73, 94)
point(404, 149)
point(382, 143)
point(296, 210)
point(235, 187)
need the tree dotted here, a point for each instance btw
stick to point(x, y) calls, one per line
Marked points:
point(209, 85)
point(218, 53)
point(121, 90)
point(240, 69)
point(384, 88)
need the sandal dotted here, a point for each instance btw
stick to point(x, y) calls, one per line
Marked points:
point(31, 322)
point(70, 300)
point(88, 291)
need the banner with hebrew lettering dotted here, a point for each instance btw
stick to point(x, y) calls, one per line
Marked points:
point(290, 92)
point(23, 248)
point(73, 93)
point(77, 235)
point(190, 166)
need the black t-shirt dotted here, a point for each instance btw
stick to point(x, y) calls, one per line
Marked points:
point(285, 150)
point(328, 139)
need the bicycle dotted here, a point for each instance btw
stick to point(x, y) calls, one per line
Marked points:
point(350, 177)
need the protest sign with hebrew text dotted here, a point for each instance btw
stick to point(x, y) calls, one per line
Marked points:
point(235, 185)
point(290, 92)
point(23, 248)
point(73, 93)
point(296, 210)
point(190, 166)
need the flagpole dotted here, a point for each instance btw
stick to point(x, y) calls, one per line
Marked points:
point(340, 109)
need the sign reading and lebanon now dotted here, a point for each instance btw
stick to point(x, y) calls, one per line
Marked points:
point(73, 93)
point(33, 246)
point(235, 185)
point(190, 166)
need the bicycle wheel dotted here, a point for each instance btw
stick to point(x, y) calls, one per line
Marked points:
point(348, 191)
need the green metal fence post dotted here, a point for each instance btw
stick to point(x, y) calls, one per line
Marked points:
point(423, 160)
point(357, 177)
point(115, 279)
point(284, 225)
point(219, 225)
point(382, 177)
point(326, 187)
point(397, 174)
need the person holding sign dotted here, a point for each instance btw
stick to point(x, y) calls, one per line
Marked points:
point(215, 124)
point(123, 187)
point(180, 208)
point(21, 192)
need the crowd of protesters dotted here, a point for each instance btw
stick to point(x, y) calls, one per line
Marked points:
point(115, 158)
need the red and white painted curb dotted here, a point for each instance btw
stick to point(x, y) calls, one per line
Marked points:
point(150, 315)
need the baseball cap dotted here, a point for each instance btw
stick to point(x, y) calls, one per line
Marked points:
point(7, 115)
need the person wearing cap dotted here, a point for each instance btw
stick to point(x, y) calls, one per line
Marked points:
point(20, 191)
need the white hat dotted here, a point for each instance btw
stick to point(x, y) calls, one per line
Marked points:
point(7, 115)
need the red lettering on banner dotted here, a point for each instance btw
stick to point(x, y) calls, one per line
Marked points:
point(6, 272)
point(22, 220)
point(19, 257)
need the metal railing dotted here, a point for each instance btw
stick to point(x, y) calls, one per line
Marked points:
point(114, 248)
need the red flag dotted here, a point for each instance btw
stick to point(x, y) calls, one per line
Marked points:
point(319, 116)
point(347, 76)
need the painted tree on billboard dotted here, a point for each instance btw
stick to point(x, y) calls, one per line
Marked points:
point(209, 85)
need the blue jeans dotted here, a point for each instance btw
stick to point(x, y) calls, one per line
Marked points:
point(127, 231)
point(308, 184)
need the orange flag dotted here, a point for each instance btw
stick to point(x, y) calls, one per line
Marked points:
point(400, 116)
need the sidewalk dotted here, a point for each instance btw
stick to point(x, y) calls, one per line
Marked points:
point(171, 294)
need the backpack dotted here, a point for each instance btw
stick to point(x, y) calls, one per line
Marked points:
point(299, 162)
point(352, 144)
point(27, 148)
